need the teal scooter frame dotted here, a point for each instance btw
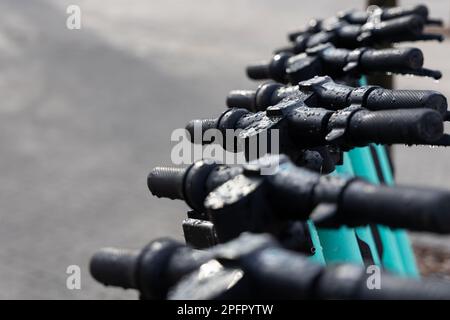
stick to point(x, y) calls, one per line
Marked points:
point(348, 244)
point(401, 236)
point(344, 244)
point(377, 245)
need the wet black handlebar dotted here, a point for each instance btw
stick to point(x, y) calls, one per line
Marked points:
point(301, 127)
point(337, 63)
point(358, 17)
point(345, 35)
point(249, 267)
point(248, 198)
point(323, 91)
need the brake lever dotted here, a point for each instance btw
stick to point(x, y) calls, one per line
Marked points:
point(429, 36)
point(444, 141)
point(423, 72)
point(434, 22)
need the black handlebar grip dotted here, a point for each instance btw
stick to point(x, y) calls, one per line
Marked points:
point(393, 288)
point(408, 26)
point(391, 13)
point(383, 99)
point(412, 208)
point(408, 289)
point(354, 285)
point(294, 35)
point(203, 125)
point(414, 126)
point(361, 17)
point(386, 60)
point(279, 273)
point(242, 99)
point(259, 70)
point(166, 182)
point(115, 267)
point(274, 69)
point(266, 95)
point(287, 49)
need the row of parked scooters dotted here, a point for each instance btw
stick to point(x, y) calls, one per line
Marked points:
point(314, 207)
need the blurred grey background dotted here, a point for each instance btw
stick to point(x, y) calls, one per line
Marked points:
point(85, 114)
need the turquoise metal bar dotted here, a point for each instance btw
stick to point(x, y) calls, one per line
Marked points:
point(362, 233)
point(340, 245)
point(318, 251)
point(407, 254)
point(363, 166)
